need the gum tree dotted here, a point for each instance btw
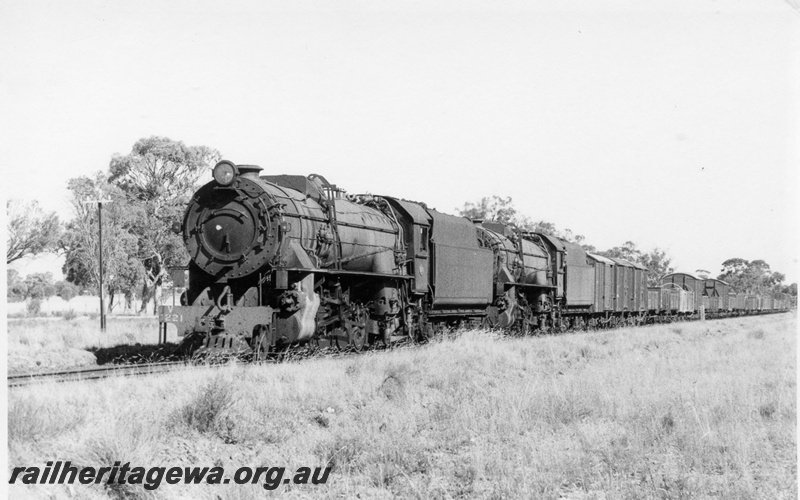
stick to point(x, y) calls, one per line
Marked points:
point(157, 177)
point(31, 230)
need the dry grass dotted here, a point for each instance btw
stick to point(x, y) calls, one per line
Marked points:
point(80, 332)
point(678, 411)
point(52, 343)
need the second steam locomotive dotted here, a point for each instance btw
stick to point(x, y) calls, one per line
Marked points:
point(280, 260)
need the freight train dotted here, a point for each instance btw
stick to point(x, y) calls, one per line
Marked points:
point(278, 260)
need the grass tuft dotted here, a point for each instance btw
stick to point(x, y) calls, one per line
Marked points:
point(767, 411)
point(667, 423)
point(31, 420)
point(205, 411)
point(321, 420)
point(125, 439)
point(340, 453)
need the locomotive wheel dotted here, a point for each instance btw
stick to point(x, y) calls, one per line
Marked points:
point(357, 330)
point(357, 336)
point(338, 338)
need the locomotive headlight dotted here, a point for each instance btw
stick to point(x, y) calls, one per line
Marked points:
point(224, 173)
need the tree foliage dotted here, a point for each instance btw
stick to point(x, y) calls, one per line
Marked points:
point(656, 260)
point(627, 251)
point(67, 290)
point(159, 170)
point(494, 209)
point(15, 291)
point(702, 273)
point(37, 286)
point(502, 210)
point(158, 177)
point(33, 286)
point(30, 229)
point(149, 188)
point(121, 270)
point(751, 276)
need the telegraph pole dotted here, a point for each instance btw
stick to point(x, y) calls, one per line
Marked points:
point(100, 202)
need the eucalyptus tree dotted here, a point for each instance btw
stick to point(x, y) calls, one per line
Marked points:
point(158, 177)
point(30, 229)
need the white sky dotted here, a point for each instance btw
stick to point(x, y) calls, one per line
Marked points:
point(666, 123)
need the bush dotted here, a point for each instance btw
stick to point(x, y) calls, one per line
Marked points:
point(34, 307)
point(204, 412)
point(70, 315)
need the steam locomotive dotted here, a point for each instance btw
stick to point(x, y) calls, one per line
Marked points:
point(286, 259)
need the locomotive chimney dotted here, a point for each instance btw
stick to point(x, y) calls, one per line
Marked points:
point(249, 171)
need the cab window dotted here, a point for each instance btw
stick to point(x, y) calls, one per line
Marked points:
point(423, 238)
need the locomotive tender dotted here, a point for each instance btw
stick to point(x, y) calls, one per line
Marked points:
point(285, 259)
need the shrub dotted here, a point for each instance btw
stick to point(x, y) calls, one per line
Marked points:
point(70, 315)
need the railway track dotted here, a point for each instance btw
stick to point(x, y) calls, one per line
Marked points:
point(296, 353)
point(93, 373)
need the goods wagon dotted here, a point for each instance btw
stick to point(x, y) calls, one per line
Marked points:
point(717, 292)
point(691, 284)
point(604, 282)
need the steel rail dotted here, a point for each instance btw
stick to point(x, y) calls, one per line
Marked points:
point(92, 373)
